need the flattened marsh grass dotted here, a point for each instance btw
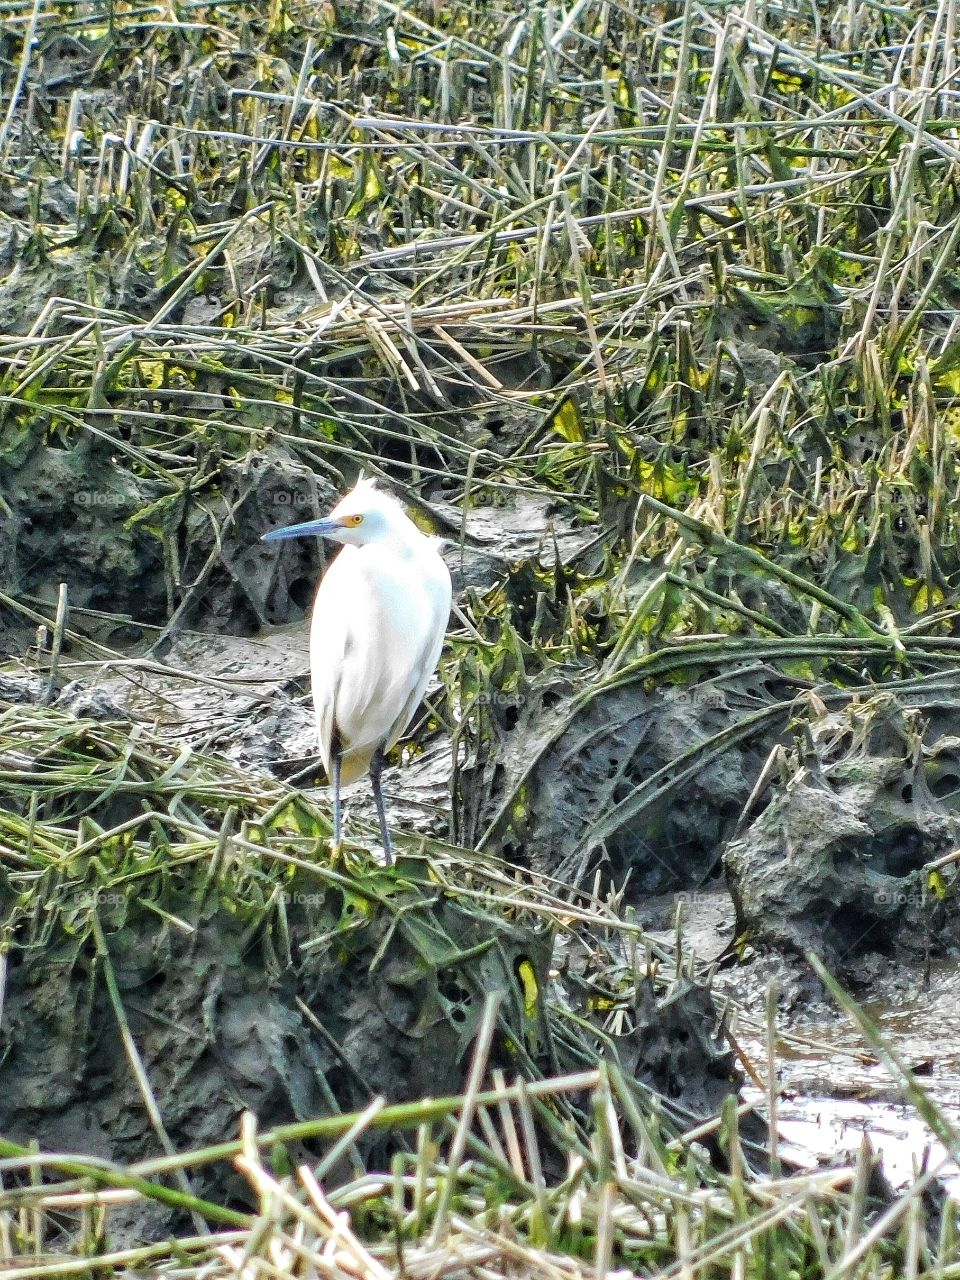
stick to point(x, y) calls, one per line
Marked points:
point(594, 250)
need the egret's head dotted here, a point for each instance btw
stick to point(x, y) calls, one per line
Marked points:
point(363, 515)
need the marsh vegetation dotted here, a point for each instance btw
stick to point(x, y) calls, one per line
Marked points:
point(649, 310)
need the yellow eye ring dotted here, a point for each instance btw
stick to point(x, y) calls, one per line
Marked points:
point(353, 520)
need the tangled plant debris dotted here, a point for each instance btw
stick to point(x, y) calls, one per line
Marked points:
point(185, 914)
point(673, 285)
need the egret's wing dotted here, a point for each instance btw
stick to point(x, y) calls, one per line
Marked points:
point(331, 640)
point(426, 663)
point(363, 622)
point(376, 636)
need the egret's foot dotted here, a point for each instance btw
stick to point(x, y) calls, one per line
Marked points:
point(336, 851)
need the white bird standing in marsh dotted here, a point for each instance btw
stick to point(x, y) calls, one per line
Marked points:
point(376, 634)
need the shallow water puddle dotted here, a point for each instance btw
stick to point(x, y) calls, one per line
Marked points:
point(923, 1029)
point(814, 1130)
point(832, 1087)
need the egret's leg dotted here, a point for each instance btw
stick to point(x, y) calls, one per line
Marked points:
point(336, 758)
point(376, 770)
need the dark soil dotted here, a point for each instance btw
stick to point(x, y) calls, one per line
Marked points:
point(836, 863)
point(647, 785)
point(125, 546)
point(219, 1029)
point(362, 1006)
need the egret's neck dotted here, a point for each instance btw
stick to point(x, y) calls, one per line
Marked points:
point(401, 536)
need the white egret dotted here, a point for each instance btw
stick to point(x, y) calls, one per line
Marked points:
point(375, 637)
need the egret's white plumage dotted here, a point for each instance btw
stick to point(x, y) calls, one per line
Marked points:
point(376, 634)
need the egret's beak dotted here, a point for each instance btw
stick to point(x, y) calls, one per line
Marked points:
point(320, 528)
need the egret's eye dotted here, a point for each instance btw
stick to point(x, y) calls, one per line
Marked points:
point(353, 521)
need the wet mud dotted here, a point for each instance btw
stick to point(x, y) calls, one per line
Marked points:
point(667, 792)
point(603, 787)
point(225, 1022)
point(214, 1001)
point(124, 545)
point(839, 863)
